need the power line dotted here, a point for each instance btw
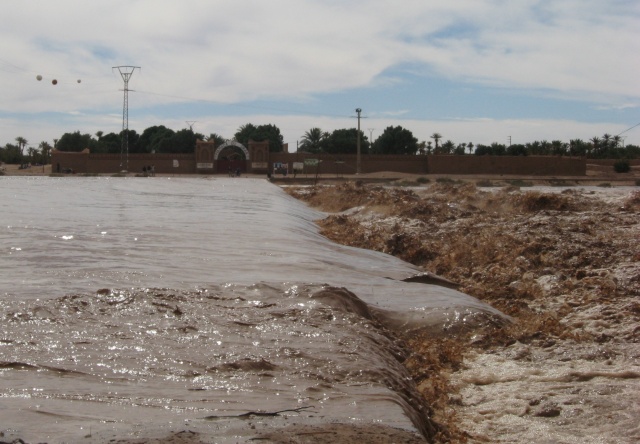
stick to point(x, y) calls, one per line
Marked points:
point(629, 129)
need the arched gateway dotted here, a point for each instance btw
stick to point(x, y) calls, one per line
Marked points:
point(232, 156)
point(229, 143)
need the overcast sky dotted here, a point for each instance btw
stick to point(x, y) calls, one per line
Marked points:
point(476, 71)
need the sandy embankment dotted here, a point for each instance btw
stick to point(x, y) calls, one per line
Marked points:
point(564, 262)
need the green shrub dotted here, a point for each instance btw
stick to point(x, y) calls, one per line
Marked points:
point(485, 183)
point(622, 166)
point(423, 180)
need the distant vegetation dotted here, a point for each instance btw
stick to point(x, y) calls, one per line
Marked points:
point(393, 140)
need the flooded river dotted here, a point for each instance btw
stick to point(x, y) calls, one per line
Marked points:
point(139, 306)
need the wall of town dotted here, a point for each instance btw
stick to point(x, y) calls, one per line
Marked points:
point(85, 162)
point(518, 165)
point(63, 161)
point(442, 164)
point(347, 164)
point(162, 163)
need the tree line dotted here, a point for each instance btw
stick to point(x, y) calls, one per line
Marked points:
point(398, 140)
point(393, 140)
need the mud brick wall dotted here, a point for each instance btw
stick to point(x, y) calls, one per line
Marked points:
point(163, 163)
point(517, 165)
point(76, 161)
point(442, 164)
point(347, 164)
point(85, 162)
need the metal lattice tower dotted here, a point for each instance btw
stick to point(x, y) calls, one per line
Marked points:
point(125, 72)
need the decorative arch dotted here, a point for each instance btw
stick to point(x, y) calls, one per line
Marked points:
point(229, 143)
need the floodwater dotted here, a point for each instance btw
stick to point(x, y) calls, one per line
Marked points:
point(139, 306)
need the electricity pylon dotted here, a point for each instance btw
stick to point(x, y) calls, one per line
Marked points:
point(125, 72)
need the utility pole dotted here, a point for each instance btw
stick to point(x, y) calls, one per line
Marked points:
point(125, 72)
point(358, 164)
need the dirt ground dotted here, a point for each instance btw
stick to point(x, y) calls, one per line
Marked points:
point(563, 261)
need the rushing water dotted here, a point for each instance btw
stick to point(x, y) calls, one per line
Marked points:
point(131, 305)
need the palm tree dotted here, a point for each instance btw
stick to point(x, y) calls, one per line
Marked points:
point(217, 139)
point(436, 137)
point(22, 142)
point(545, 147)
point(578, 147)
point(616, 141)
point(533, 148)
point(448, 146)
point(595, 143)
point(312, 140)
point(429, 147)
point(558, 148)
point(45, 149)
point(32, 152)
point(470, 147)
point(99, 135)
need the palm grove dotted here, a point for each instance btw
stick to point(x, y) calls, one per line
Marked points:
point(393, 140)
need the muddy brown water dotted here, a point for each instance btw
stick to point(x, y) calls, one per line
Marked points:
point(139, 306)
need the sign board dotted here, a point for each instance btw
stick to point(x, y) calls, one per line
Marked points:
point(176, 164)
point(280, 168)
point(298, 166)
point(311, 162)
point(204, 165)
point(259, 165)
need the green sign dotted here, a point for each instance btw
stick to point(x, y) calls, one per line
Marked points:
point(311, 162)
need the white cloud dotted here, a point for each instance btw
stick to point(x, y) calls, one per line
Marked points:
point(236, 50)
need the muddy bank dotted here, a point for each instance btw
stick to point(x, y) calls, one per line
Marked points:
point(563, 262)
